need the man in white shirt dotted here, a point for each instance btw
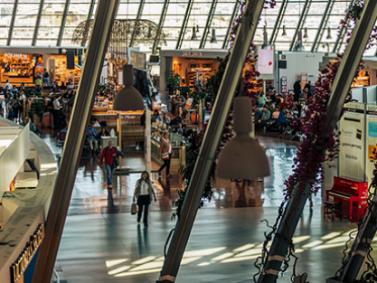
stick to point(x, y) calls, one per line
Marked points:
point(57, 113)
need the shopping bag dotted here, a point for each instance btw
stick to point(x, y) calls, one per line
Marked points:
point(133, 208)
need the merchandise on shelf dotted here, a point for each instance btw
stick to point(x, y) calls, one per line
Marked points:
point(192, 70)
point(17, 69)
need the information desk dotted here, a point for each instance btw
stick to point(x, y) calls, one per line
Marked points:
point(129, 126)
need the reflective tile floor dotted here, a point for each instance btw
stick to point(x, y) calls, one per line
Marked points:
point(103, 243)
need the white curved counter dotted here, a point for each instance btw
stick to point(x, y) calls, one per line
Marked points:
point(23, 213)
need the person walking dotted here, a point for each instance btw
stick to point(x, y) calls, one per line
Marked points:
point(166, 150)
point(143, 195)
point(108, 159)
point(91, 135)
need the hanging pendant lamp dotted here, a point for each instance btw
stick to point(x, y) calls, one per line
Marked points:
point(243, 157)
point(265, 36)
point(284, 33)
point(129, 98)
point(299, 46)
point(197, 28)
point(328, 33)
point(194, 36)
point(213, 36)
point(149, 36)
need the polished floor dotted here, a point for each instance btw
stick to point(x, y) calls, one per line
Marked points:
point(103, 243)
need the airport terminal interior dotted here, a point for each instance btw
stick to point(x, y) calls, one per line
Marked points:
point(225, 141)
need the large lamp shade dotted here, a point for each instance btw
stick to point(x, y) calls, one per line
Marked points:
point(129, 98)
point(242, 157)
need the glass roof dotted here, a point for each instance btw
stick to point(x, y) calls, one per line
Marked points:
point(53, 22)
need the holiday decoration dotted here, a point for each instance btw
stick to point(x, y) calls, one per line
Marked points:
point(311, 153)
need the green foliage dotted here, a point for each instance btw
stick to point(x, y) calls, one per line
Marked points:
point(192, 152)
point(173, 83)
point(213, 84)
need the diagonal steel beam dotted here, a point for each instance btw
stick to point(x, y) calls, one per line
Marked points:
point(208, 25)
point(37, 23)
point(184, 24)
point(64, 20)
point(11, 25)
point(360, 246)
point(205, 160)
point(160, 25)
point(342, 33)
point(137, 24)
point(87, 23)
point(231, 22)
point(81, 112)
point(322, 25)
point(301, 22)
point(279, 20)
point(339, 91)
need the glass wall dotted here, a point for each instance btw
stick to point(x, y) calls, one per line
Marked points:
point(182, 24)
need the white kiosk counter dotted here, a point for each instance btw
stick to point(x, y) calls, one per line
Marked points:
point(23, 208)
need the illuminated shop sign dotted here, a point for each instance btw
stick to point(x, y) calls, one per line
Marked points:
point(18, 268)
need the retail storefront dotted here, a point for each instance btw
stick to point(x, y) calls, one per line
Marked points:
point(40, 66)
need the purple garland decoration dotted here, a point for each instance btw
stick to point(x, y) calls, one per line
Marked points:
point(310, 155)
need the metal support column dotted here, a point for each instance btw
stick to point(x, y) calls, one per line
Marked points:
point(136, 30)
point(37, 23)
point(301, 22)
point(81, 112)
point(231, 22)
point(322, 25)
point(211, 139)
point(159, 27)
point(184, 24)
point(341, 34)
point(340, 88)
point(279, 20)
point(208, 25)
point(87, 23)
point(64, 20)
point(11, 25)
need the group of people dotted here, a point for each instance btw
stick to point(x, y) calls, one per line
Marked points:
point(42, 106)
point(280, 113)
point(12, 102)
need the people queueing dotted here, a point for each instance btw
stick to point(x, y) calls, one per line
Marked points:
point(143, 195)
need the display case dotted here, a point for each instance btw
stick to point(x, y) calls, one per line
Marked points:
point(129, 126)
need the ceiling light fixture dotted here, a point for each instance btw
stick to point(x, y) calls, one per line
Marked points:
point(284, 33)
point(194, 36)
point(243, 157)
point(329, 36)
point(129, 98)
point(213, 36)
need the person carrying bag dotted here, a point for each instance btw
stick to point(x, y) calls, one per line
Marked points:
point(142, 196)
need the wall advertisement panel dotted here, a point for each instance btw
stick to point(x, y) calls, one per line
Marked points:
point(371, 140)
point(352, 142)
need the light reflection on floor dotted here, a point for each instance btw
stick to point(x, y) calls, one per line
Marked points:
point(102, 241)
point(222, 255)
